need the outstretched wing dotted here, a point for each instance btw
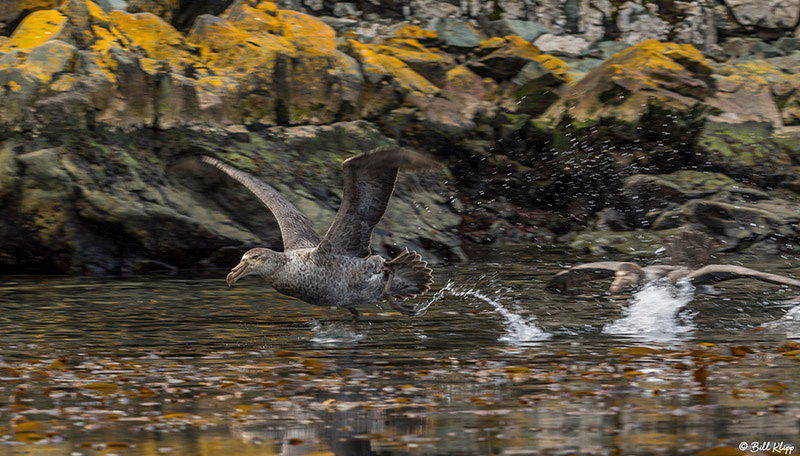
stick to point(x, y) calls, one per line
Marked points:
point(369, 181)
point(296, 228)
point(713, 273)
point(577, 275)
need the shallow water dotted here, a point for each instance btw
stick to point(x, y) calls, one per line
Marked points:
point(494, 365)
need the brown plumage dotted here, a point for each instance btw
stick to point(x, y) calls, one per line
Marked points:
point(628, 275)
point(688, 252)
point(339, 269)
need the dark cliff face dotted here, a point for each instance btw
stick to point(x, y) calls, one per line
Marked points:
point(99, 106)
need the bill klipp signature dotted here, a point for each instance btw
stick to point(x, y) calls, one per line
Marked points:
point(773, 447)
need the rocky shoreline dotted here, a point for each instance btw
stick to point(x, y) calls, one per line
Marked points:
point(599, 126)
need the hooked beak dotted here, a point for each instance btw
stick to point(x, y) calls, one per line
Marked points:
point(237, 273)
point(618, 284)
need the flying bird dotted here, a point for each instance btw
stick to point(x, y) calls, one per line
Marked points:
point(689, 252)
point(629, 275)
point(339, 269)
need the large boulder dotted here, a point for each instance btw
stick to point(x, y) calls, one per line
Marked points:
point(746, 151)
point(667, 76)
point(764, 14)
point(93, 206)
point(742, 216)
point(12, 11)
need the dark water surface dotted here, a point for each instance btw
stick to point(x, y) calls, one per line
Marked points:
point(495, 365)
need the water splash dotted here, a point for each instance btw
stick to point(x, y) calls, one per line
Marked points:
point(790, 323)
point(653, 312)
point(519, 330)
point(333, 333)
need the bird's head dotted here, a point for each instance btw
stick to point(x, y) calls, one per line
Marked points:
point(261, 262)
point(627, 276)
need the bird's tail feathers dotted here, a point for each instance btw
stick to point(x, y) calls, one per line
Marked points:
point(411, 275)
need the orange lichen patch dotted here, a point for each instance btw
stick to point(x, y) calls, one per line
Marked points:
point(11, 9)
point(82, 14)
point(253, 20)
point(461, 77)
point(673, 76)
point(35, 29)
point(415, 32)
point(49, 58)
point(234, 52)
point(268, 7)
point(213, 90)
point(555, 65)
point(376, 66)
point(100, 65)
point(410, 49)
point(492, 43)
point(65, 83)
point(461, 81)
point(519, 47)
point(309, 34)
point(105, 39)
point(152, 66)
point(754, 74)
point(158, 40)
point(641, 65)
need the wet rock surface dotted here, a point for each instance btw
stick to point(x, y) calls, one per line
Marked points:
point(550, 117)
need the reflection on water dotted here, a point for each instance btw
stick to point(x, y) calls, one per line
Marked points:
point(494, 365)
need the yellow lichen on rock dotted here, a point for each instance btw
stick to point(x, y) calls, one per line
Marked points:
point(416, 33)
point(674, 77)
point(234, 52)
point(82, 15)
point(461, 82)
point(35, 29)
point(65, 83)
point(518, 46)
point(642, 65)
point(407, 49)
point(157, 39)
point(104, 39)
point(309, 34)
point(14, 10)
point(377, 66)
point(268, 7)
point(492, 44)
point(48, 59)
point(555, 65)
point(752, 74)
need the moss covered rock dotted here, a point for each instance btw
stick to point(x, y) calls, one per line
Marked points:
point(667, 76)
point(746, 151)
point(128, 203)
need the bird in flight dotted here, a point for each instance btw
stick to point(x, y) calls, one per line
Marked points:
point(689, 254)
point(339, 269)
point(629, 275)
